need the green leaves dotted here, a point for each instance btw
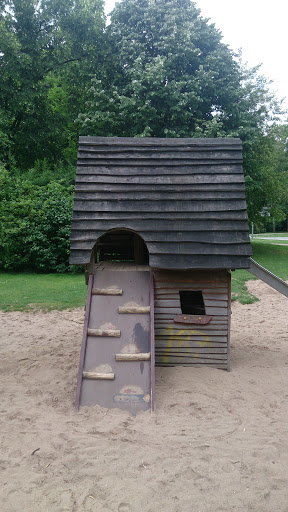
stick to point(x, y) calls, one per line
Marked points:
point(45, 45)
point(34, 224)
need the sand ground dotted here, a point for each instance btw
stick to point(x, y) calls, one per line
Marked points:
point(218, 441)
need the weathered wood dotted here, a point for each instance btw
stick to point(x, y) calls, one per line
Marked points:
point(107, 291)
point(153, 179)
point(177, 262)
point(98, 376)
point(133, 357)
point(183, 359)
point(132, 309)
point(110, 333)
point(164, 188)
point(184, 195)
point(152, 341)
point(157, 141)
point(175, 346)
point(208, 237)
point(192, 319)
point(170, 303)
point(84, 342)
point(195, 363)
point(153, 206)
point(232, 216)
point(185, 339)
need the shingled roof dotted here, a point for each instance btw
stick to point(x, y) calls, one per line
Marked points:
point(184, 197)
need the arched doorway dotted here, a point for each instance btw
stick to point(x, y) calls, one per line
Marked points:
point(121, 245)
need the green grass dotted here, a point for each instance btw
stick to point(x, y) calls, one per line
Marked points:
point(271, 256)
point(30, 292)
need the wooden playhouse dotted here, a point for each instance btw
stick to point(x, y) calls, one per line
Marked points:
point(159, 225)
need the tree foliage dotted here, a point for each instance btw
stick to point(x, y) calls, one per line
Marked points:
point(34, 224)
point(48, 51)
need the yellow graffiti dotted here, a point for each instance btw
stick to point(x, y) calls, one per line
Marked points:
point(177, 335)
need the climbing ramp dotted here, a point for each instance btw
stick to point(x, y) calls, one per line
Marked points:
point(115, 367)
point(268, 278)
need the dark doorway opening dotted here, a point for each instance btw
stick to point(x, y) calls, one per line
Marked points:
point(122, 245)
point(192, 302)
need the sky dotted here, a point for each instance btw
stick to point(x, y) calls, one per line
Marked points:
point(259, 28)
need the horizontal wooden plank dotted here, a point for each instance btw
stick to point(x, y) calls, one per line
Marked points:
point(133, 357)
point(156, 195)
point(159, 170)
point(200, 261)
point(218, 365)
point(107, 291)
point(176, 328)
point(133, 310)
point(159, 141)
point(193, 344)
point(174, 361)
point(98, 376)
point(207, 277)
point(151, 228)
point(167, 302)
point(154, 179)
point(110, 333)
point(197, 336)
point(145, 153)
point(167, 217)
point(191, 350)
point(152, 206)
point(175, 294)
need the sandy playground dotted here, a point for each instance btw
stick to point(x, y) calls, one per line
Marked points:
point(218, 441)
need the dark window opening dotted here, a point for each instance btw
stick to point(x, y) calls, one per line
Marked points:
point(192, 302)
point(121, 245)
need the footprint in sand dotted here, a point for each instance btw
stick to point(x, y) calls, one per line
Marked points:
point(124, 507)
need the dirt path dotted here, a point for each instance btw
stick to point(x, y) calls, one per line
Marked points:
point(217, 442)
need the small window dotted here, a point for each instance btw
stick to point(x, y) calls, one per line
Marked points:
point(192, 302)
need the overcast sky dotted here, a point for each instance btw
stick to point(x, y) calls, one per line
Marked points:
point(258, 27)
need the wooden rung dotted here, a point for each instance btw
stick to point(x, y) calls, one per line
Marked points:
point(111, 333)
point(107, 291)
point(98, 376)
point(133, 357)
point(130, 309)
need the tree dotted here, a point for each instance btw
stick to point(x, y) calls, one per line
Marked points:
point(173, 75)
point(48, 50)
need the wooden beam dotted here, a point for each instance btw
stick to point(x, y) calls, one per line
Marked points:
point(132, 309)
point(98, 376)
point(133, 357)
point(112, 333)
point(107, 291)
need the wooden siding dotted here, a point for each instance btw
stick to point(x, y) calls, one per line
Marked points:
point(185, 197)
point(192, 345)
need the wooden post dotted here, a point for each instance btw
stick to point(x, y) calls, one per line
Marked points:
point(89, 269)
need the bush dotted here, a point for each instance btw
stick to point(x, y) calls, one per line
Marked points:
point(34, 224)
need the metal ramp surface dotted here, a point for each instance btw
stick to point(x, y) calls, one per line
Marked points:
point(118, 340)
point(268, 278)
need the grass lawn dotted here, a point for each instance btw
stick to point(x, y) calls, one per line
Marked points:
point(26, 292)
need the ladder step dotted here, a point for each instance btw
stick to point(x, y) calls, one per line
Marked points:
point(111, 333)
point(133, 357)
point(107, 291)
point(132, 309)
point(98, 376)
